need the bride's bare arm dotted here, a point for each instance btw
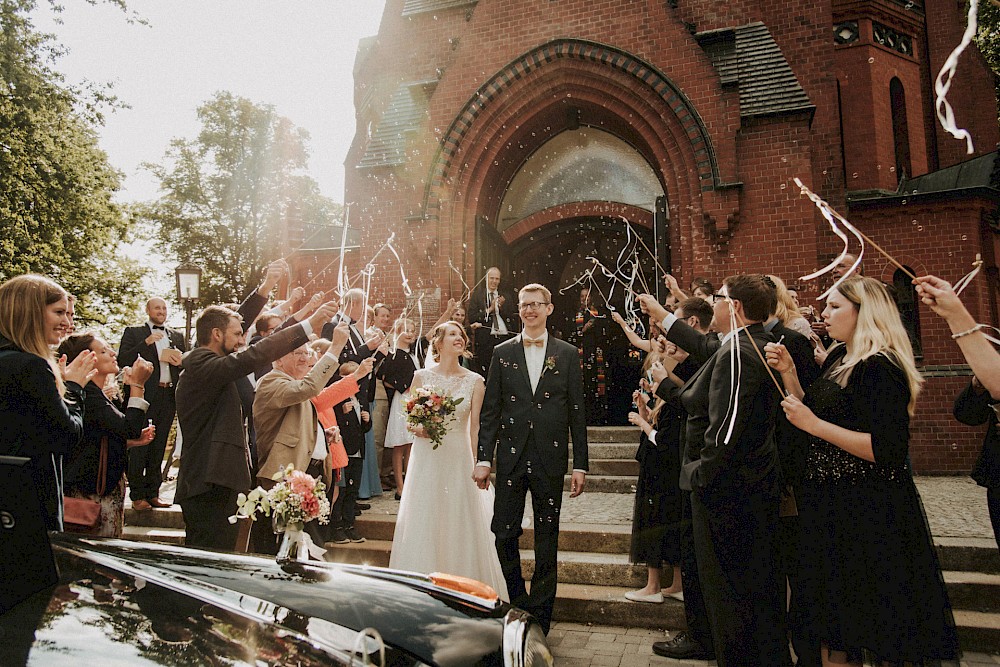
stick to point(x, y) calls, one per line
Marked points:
point(478, 391)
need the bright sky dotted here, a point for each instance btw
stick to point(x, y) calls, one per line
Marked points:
point(297, 55)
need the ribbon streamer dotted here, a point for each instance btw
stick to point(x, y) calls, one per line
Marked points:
point(967, 278)
point(466, 291)
point(945, 114)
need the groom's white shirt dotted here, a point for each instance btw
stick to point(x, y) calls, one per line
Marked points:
point(534, 357)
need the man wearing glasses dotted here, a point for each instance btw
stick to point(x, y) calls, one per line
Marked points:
point(533, 404)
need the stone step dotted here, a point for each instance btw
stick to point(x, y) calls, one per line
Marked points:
point(617, 467)
point(624, 434)
point(605, 450)
point(973, 591)
point(957, 554)
point(978, 631)
point(606, 483)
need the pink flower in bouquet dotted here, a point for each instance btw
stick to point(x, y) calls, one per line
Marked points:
point(310, 504)
point(301, 483)
point(430, 409)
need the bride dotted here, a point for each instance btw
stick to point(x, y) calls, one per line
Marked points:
point(444, 518)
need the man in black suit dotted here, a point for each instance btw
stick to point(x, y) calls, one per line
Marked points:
point(731, 467)
point(215, 466)
point(491, 318)
point(161, 346)
point(533, 403)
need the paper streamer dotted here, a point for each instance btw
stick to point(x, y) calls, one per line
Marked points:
point(833, 217)
point(945, 114)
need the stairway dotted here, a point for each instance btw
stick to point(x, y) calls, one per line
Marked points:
point(594, 572)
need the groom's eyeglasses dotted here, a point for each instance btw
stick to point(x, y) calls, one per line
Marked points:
point(533, 305)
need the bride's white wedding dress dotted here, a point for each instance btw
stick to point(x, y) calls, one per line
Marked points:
point(444, 518)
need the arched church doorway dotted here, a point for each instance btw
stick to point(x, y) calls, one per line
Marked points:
point(585, 194)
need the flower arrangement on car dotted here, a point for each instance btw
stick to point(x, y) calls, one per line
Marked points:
point(296, 499)
point(433, 410)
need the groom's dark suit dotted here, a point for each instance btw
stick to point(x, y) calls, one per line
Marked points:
point(529, 432)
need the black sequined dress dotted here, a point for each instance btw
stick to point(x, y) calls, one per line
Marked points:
point(870, 583)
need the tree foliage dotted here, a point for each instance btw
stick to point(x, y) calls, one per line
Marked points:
point(231, 193)
point(988, 33)
point(57, 214)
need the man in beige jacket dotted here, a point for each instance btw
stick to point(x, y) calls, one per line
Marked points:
point(288, 431)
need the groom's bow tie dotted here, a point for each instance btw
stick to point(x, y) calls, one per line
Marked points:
point(528, 342)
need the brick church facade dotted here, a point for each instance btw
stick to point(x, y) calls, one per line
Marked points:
point(520, 133)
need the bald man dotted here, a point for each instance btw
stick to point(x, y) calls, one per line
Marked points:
point(162, 346)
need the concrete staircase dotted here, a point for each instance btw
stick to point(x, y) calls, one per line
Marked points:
point(594, 572)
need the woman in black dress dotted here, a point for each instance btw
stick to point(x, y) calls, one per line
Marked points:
point(870, 582)
point(86, 476)
point(657, 514)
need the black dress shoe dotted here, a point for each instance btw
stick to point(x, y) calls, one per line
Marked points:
point(682, 647)
point(363, 506)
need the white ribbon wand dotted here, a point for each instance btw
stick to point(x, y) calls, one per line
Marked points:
point(832, 217)
point(945, 114)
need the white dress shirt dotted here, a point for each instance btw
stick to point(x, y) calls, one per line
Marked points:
point(534, 356)
point(497, 325)
point(161, 345)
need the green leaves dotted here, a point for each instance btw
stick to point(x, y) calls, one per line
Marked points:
point(231, 192)
point(57, 214)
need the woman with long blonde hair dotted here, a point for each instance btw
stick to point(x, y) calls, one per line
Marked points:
point(870, 585)
point(41, 398)
point(788, 312)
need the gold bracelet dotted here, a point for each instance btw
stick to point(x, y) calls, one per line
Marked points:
point(968, 331)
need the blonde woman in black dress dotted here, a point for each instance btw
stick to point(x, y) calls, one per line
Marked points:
point(870, 588)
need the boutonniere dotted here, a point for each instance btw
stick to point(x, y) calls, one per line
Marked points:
point(550, 364)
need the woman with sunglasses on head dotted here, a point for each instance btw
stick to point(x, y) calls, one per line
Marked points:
point(870, 585)
point(88, 472)
point(41, 398)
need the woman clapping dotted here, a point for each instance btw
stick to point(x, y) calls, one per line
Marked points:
point(41, 399)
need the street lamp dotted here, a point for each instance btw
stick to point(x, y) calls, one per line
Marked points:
point(188, 291)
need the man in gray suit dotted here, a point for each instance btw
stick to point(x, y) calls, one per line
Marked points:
point(215, 467)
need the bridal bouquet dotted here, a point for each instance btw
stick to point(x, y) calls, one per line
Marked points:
point(293, 501)
point(432, 409)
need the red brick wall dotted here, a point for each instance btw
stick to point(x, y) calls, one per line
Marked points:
point(761, 225)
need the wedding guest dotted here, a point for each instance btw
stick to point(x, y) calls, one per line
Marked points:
point(970, 336)
point(676, 294)
point(353, 422)
point(88, 472)
point(215, 467)
point(695, 316)
point(357, 349)
point(396, 373)
point(702, 288)
point(41, 398)
point(975, 407)
point(587, 334)
point(787, 310)
point(732, 470)
point(492, 313)
point(382, 459)
point(656, 517)
point(864, 535)
point(162, 346)
point(288, 430)
point(845, 268)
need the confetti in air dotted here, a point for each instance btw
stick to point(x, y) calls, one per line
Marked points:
point(945, 113)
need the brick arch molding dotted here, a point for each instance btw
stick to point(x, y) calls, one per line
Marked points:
point(561, 50)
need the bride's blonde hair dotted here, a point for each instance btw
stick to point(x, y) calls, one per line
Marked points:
point(878, 330)
point(439, 332)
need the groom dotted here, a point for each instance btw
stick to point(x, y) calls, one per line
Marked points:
point(534, 400)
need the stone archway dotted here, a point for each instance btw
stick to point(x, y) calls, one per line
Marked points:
point(562, 86)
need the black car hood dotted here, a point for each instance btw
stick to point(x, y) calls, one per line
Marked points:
point(326, 604)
